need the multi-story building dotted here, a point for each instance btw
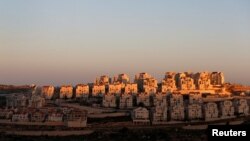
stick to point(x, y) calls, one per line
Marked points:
point(140, 115)
point(160, 99)
point(122, 78)
point(146, 83)
point(210, 111)
point(126, 101)
point(194, 111)
point(185, 81)
point(177, 112)
point(143, 98)
point(168, 83)
point(242, 107)
point(98, 90)
point(48, 92)
point(103, 80)
point(131, 88)
point(115, 88)
point(160, 114)
point(109, 100)
point(202, 81)
point(217, 78)
point(226, 109)
point(175, 100)
point(176, 106)
point(82, 91)
point(66, 91)
point(195, 98)
point(149, 89)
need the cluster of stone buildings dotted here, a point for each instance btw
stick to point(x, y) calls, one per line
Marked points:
point(25, 100)
point(143, 83)
point(70, 117)
point(178, 97)
point(192, 107)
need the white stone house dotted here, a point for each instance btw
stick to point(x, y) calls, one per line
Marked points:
point(140, 115)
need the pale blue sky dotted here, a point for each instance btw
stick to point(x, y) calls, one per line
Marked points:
point(73, 41)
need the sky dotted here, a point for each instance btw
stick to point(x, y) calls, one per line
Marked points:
point(74, 41)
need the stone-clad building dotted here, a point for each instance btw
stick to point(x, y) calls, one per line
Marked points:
point(82, 90)
point(143, 98)
point(131, 88)
point(185, 81)
point(217, 78)
point(48, 92)
point(103, 80)
point(176, 107)
point(202, 81)
point(168, 84)
point(98, 90)
point(159, 114)
point(242, 107)
point(194, 111)
point(122, 78)
point(226, 109)
point(66, 91)
point(126, 101)
point(160, 99)
point(115, 88)
point(109, 100)
point(146, 83)
point(210, 111)
point(140, 115)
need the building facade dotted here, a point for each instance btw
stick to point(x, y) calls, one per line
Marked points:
point(126, 101)
point(82, 91)
point(66, 91)
point(109, 100)
point(131, 88)
point(48, 92)
point(140, 115)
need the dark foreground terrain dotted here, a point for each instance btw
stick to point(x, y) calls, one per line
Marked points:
point(123, 134)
